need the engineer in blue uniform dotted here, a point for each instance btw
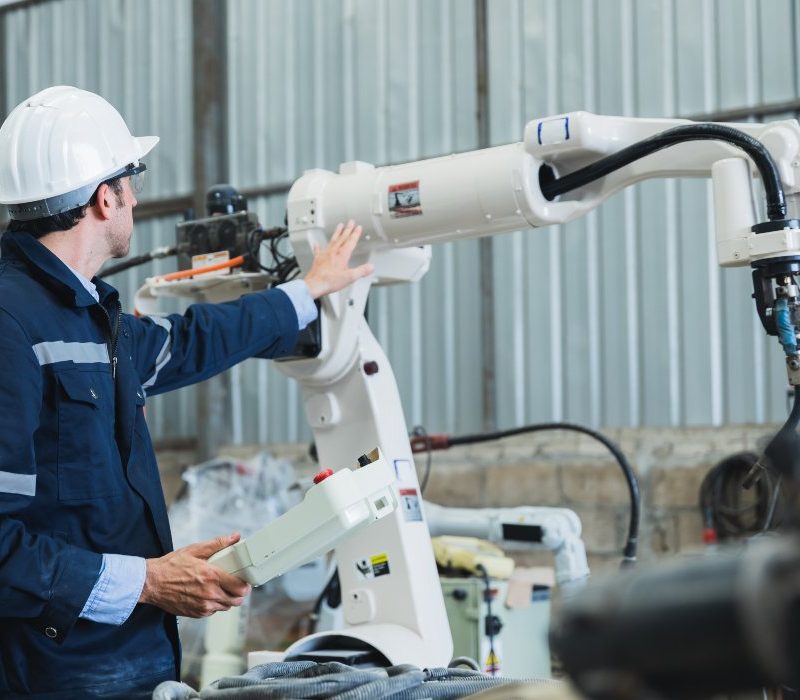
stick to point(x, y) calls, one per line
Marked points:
point(89, 582)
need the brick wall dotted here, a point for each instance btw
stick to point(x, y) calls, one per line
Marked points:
point(577, 472)
point(574, 471)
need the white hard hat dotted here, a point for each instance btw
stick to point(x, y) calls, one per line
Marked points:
point(58, 146)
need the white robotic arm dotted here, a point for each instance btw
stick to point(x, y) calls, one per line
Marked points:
point(557, 530)
point(511, 187)
point(566, 166)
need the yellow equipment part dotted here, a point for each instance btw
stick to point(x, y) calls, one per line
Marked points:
point(470, 554)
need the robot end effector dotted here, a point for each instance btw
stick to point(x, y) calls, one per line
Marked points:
point(772, 247)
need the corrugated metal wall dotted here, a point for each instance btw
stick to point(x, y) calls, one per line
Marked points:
point(622, 318)
point(382, 82)
point(137, 54)
point(630, 322)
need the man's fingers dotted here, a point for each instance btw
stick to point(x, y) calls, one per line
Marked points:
point(344, 238)
point(338, 232)
point(233, 586)
point(330, 270)
point(340, 249)
point(204, 550)
point(362, 271)
point(352, 240)
point(342, 234)
point(212, 606)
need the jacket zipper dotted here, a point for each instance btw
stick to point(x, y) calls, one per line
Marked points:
point(111, 345)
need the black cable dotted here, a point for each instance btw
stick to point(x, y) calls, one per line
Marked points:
point(721, 498)
point(776, 204)
point(332, 594)
point(489, 621)
point(629, 552)
point(138, 260)
point(285, 267)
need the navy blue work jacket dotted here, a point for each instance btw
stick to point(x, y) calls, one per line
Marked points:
point(78, 475)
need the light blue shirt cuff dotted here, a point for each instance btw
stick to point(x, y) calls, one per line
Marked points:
point(117, 589)
point(301, 299)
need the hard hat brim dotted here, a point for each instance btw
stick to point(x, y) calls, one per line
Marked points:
point(146, 144)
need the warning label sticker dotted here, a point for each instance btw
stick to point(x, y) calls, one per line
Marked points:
point(490, 653)
point(374, 566)
point(404, 200)
point(410, 503)
point(207, 259)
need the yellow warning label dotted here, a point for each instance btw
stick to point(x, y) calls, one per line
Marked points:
point(371, 567)
point(492, 663)
point(380, 564)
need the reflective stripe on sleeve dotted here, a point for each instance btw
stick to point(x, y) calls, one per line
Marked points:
point(59, 351)
point(19, 484)
point(165, 354)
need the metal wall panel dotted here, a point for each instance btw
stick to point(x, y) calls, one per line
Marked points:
point(628, 320)
point(136, 54)
point(620, 318)
point(383, 82)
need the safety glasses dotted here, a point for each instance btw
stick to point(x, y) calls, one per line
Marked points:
point(137, 177)
point(134, 172)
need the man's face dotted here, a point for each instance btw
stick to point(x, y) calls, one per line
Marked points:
point(120, 229)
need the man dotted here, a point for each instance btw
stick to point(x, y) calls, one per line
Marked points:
point(89, 584)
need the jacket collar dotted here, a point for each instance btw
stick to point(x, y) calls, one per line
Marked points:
point(51, 271)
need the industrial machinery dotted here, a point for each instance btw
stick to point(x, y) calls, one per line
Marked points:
point(336, 506)
point(557, 530)
point(498, 614)
point(508, 641)
point(565, 166)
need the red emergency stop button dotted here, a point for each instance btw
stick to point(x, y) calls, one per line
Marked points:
point(324, 474)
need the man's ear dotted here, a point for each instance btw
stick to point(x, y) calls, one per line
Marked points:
point(105, 201)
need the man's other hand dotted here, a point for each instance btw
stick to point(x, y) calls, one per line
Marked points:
point(184, 583)
point(330, 270)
